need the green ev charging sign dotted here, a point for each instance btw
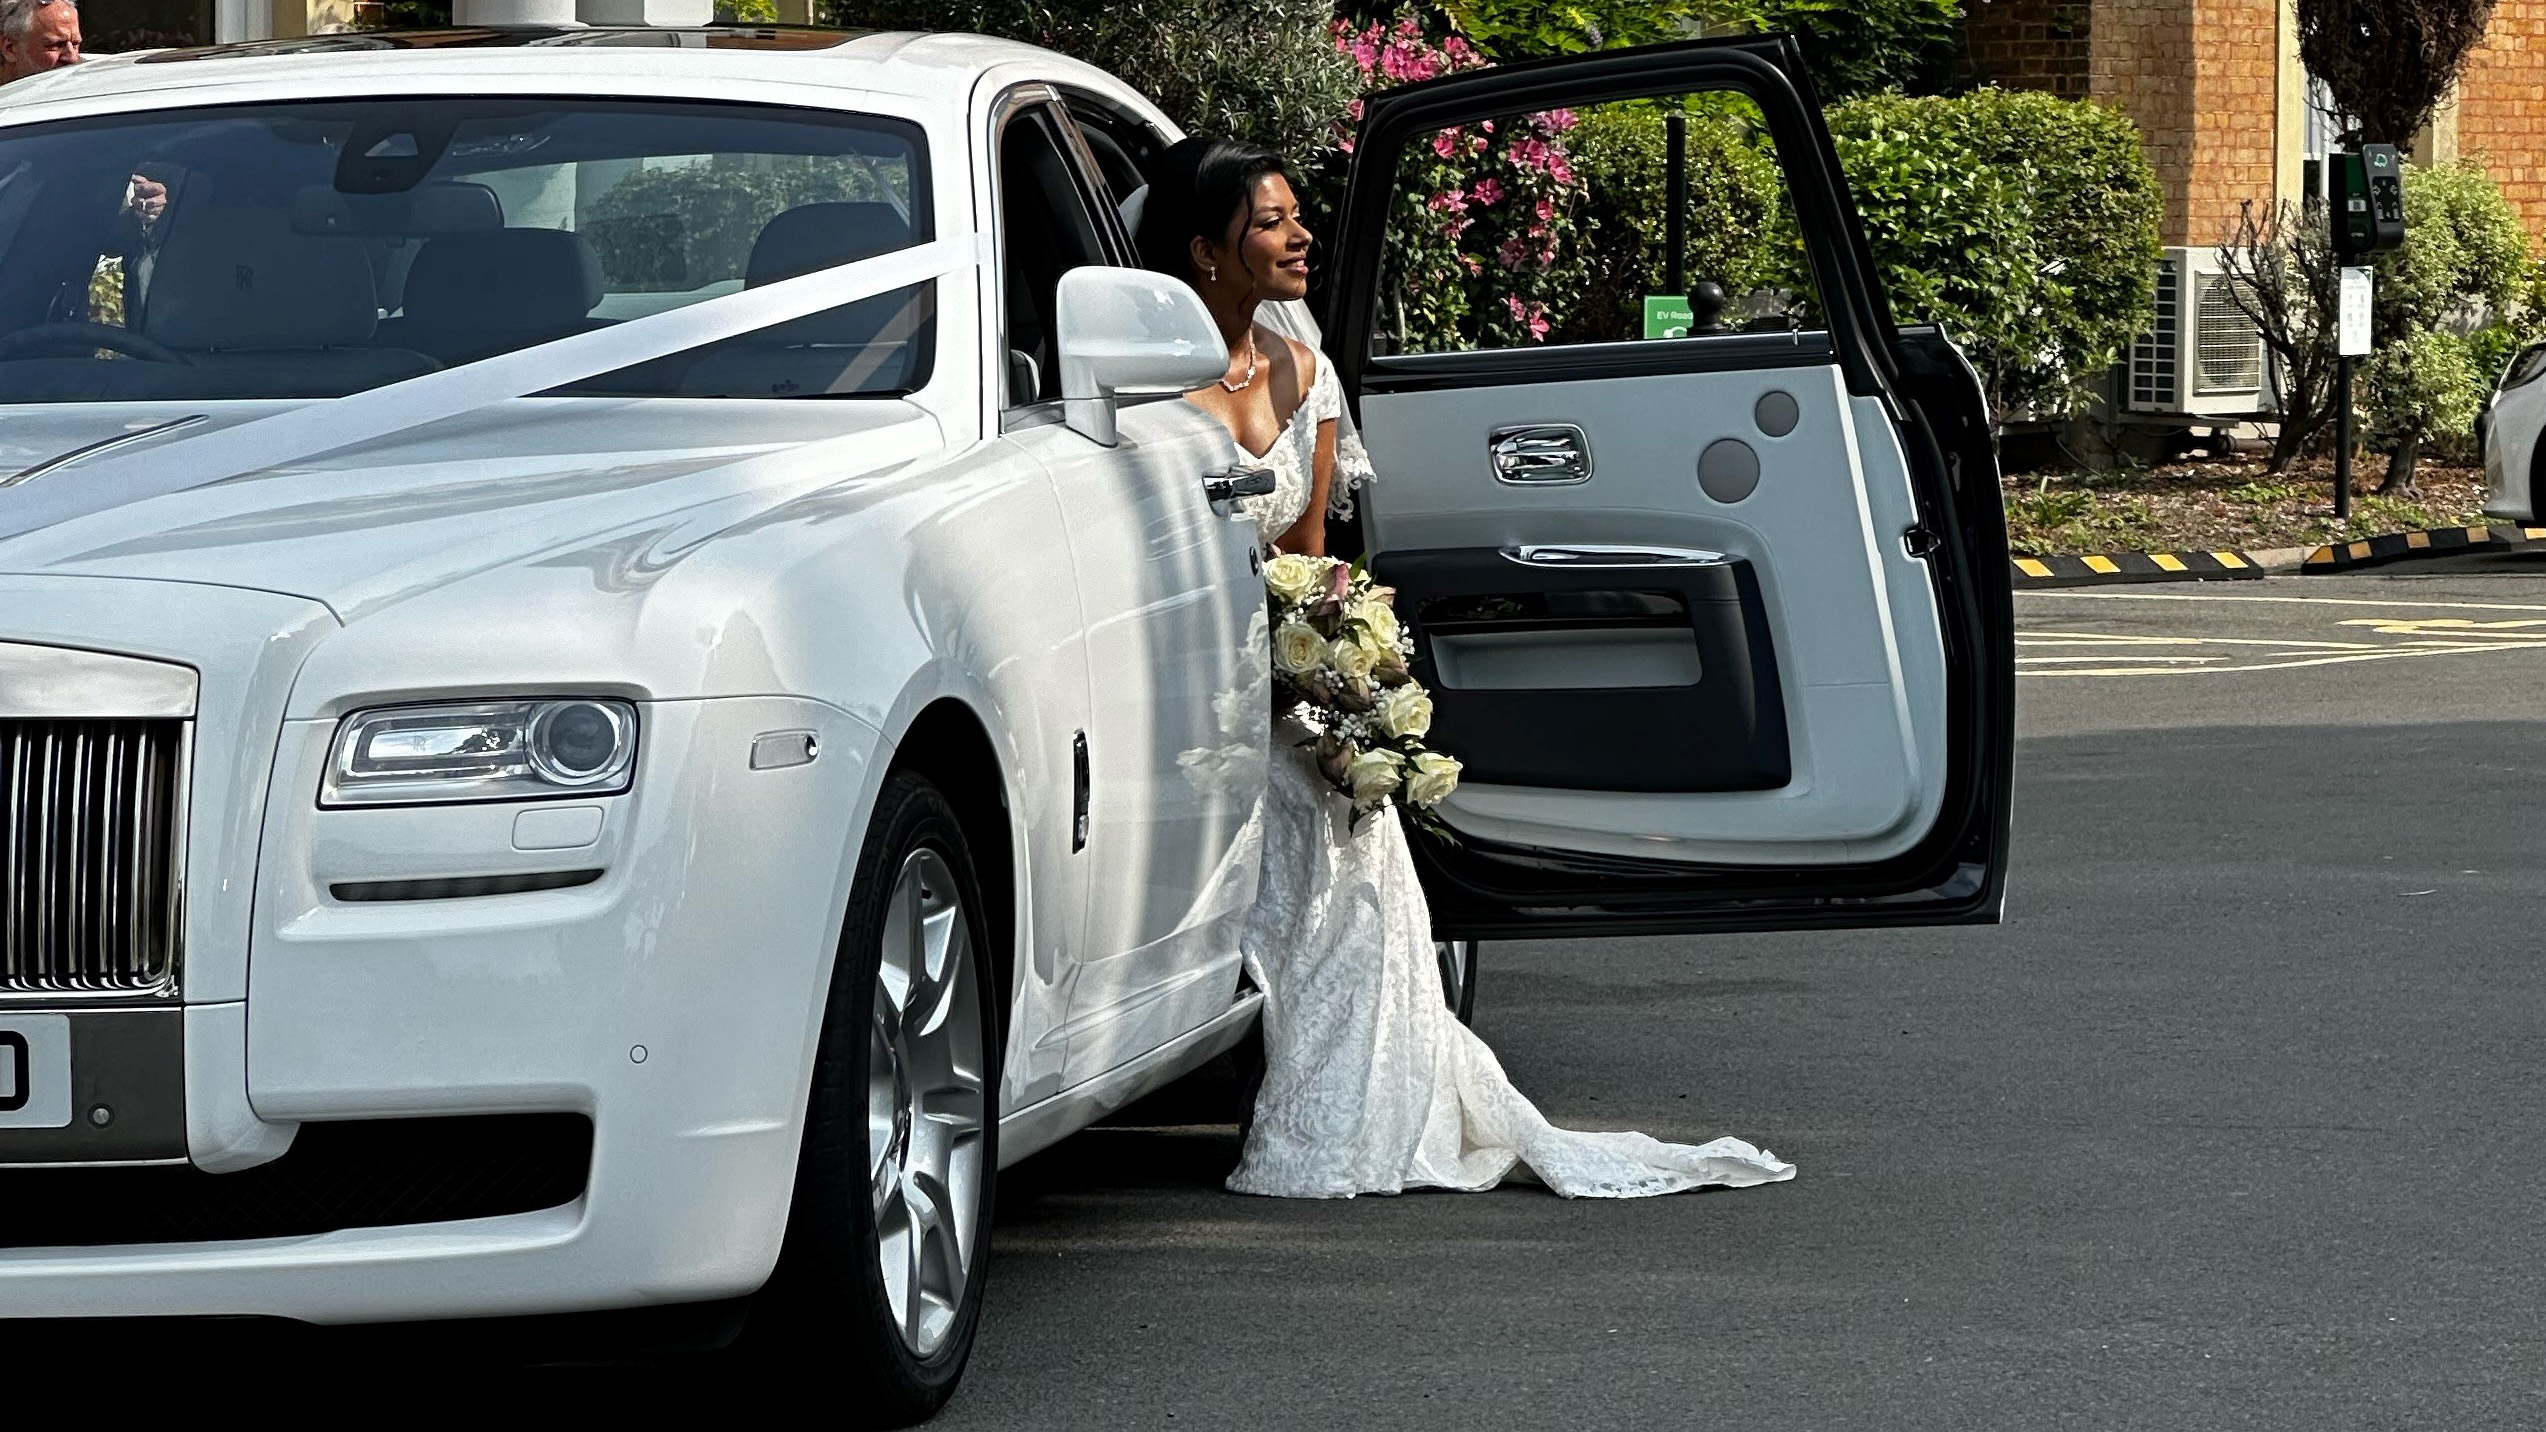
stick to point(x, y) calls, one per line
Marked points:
point(1667, 316)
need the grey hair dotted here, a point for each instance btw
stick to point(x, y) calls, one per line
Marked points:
point(18, 16)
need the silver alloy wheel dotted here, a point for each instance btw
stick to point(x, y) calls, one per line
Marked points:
point(924, 1101)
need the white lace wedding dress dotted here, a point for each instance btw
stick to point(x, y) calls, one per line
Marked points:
point(1370, 1084)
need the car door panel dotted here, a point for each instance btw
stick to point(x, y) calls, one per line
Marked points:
point(1177, 731)
point(1731, 644)
point(1812, 557)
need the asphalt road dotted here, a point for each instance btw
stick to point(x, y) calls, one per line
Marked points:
point(2234, 1123)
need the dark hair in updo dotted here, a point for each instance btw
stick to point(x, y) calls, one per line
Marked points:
point(1198, 189)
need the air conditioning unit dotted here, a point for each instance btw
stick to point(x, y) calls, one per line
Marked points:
point(2203, 358)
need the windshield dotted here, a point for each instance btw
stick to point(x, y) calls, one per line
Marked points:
point(318, 249)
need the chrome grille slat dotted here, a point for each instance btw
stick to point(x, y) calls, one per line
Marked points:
point(89, 845)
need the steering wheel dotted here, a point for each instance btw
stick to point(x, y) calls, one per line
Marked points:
point(75, 339)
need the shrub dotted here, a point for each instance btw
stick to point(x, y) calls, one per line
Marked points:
point(1530, 29)
point(1261, 70)
point(1861, 47)
point(1734, 193)
point(2023, 225)
point(1853, 47)
point(2464, 259)
point(1480, 232)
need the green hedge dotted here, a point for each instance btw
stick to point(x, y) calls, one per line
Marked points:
point(2024, 225)
point(1734, 194)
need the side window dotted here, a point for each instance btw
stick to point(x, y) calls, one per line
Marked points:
point(1124, 147)
point(1045, 230)
point(1553, 228)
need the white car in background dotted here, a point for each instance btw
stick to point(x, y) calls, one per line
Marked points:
point(2509, 431)
point(608, 701)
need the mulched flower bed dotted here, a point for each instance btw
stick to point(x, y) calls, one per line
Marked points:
point(2226, 503)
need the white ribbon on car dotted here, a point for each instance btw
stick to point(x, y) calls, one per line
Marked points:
point(154, 469)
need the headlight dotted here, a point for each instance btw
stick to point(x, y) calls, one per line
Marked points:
point(482, 751)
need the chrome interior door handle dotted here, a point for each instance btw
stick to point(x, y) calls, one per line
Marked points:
point(1549, 454)
point(1578, 555)
point(1239, 482)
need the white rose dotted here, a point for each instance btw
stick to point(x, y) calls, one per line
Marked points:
point(1350, 659)
point(1435, 776)
point(1373, 775)
point(1405, 711)
point(1379, 620)
point(1298, 649)
point(1293, 577)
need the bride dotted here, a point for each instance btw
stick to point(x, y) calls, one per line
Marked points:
point(1370, 1084)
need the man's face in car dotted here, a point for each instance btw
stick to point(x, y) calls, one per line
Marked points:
point(52, 39)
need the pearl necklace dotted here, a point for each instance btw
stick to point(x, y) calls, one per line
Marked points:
point(1251, 356)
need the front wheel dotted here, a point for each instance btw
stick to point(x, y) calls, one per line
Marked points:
point(884, 1258)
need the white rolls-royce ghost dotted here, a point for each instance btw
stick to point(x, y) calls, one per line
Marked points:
point(620, 676)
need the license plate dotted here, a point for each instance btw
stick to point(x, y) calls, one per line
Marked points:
point(35, 1071)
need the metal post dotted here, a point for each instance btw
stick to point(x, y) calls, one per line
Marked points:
point(2343, 439)
point(1675, 204)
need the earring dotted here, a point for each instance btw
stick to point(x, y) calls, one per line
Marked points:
point(1211, 273)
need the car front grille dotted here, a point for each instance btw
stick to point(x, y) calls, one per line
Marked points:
point(374, 1173)
point(91, 830)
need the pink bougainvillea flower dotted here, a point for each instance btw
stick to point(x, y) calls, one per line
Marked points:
point(1488, 190)
point(1485, 124)
point(1562, 119)
point(1353, 110)
point(1546, 211)
point(1559, 170)
point(1511, 253)
point(1514, 304)
point(1445, 143)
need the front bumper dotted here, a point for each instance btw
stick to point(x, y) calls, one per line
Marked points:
point(674, 1000)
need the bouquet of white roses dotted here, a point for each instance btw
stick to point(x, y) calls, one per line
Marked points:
point(1339, 649)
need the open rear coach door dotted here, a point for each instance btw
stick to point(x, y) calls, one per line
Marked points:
point(1718, 619)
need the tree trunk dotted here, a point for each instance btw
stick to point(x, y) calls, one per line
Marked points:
point(2400, 465)
point(2290, 442)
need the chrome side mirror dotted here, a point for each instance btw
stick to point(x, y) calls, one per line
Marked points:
point(1123, 330)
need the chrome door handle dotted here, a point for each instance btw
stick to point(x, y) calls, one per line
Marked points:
point(1579, 555)
point(1540, 453)
point(1239, 482)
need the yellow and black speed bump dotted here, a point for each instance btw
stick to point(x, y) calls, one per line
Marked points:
point(2405, 546)
point(2135, 567)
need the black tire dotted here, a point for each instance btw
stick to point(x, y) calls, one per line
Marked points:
point(1458, 976)
point(827, 1308)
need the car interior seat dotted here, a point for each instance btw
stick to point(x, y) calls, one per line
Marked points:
point(270, 310)
point(875, 345)
point(471, 296)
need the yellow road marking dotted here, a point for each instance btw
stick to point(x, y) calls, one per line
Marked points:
point(2360, 549)
point(2113, 596)
point(2101, 564)
point(2415, 626)
point(2385, 654)
point(2167, 561)
point(2032, 568)
point(2230, 560)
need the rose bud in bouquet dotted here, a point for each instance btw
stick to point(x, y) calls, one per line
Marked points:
point(1335, 758)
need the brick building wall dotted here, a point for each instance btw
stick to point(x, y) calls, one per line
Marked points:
point(2501, 108)
point(2205, 82)
point(2032, 44)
